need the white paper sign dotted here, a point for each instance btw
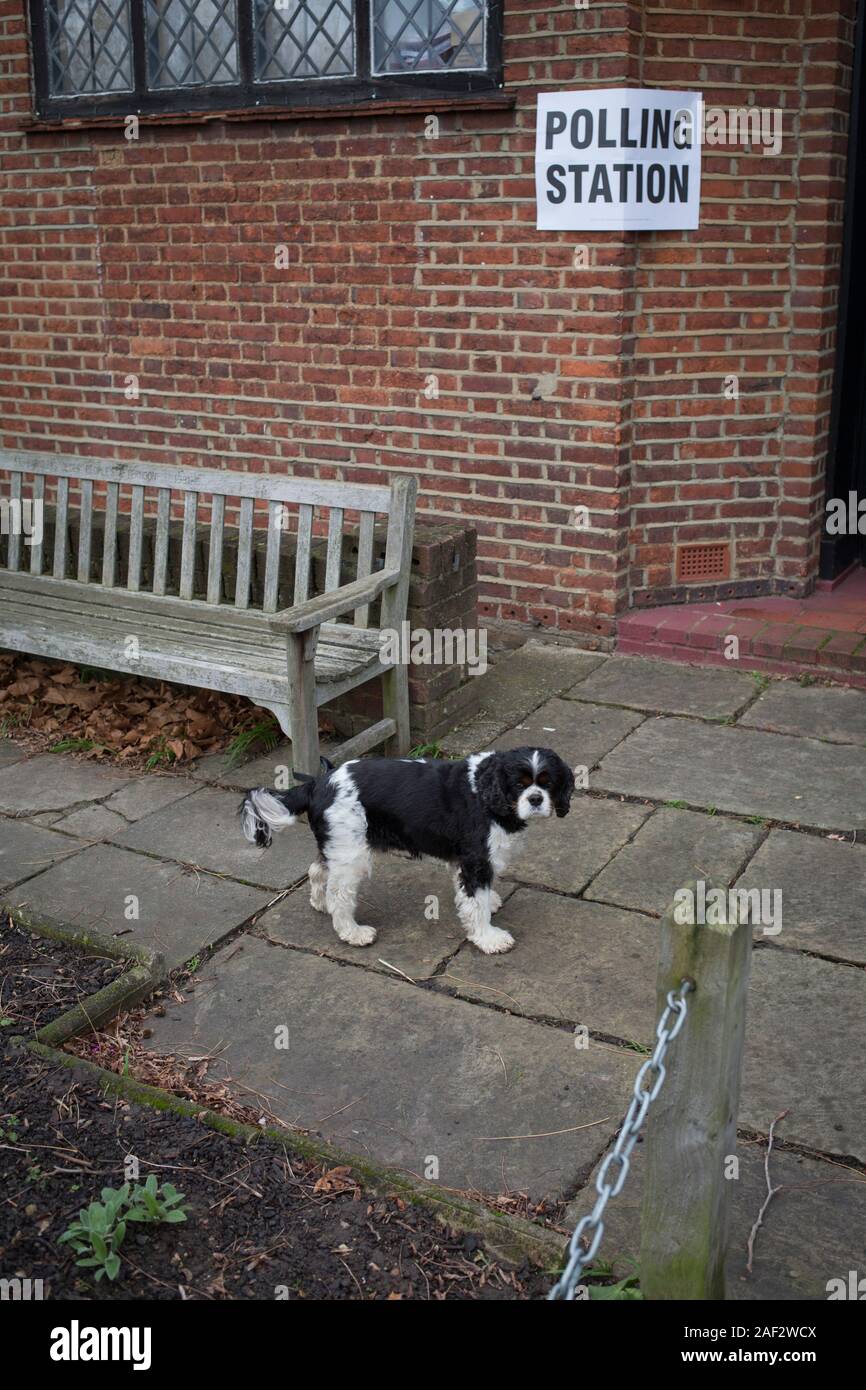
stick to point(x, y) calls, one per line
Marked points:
point(618, 160)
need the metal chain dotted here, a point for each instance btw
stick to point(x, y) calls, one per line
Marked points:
point(619, 1157)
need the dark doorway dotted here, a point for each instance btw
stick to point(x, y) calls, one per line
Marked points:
point(846, 460)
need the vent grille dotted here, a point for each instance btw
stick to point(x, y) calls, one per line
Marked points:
point(703, 563)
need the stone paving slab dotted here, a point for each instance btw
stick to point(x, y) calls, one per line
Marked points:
point(817, 711)
point(573, 961)
point(205, 829)
point(662, 687)
point(50, 782)
point(10, 753)
point(733, 769)
point(180, 913)
point(672, 847)
point(823, 884)
point(579, 733)
point(516, 684)
point(386, 1068)
point(565, 854)
point(27, 850)
point(812, 1231)
point(394, 901)
point(805, 1042)
point(140, 798)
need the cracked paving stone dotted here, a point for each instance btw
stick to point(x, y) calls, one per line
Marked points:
point(391, 1070)
point(823, 886)
point(50, 782)
point(666, 687)
point(741, 770)
point(180, 912)
point(565, 854)
point(669, 850)
point(205, 829)
point(27, 850)
point(580, 733)
point(566, 955)
point(817, 711)
point(395, 900)
point(805, 1038)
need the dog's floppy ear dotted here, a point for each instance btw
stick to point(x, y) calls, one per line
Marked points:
point(490, 781)
point(563, 788)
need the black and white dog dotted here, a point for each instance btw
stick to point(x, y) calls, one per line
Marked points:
point(465, 813)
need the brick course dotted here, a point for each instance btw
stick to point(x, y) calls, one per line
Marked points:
point(407, 258)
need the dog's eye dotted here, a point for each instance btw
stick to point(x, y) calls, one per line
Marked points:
point(526, 779)
point(543, 779)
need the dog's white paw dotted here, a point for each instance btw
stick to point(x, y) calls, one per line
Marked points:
point(495, 901)
point(492, 941)
point(317, 899)
point(358, 935)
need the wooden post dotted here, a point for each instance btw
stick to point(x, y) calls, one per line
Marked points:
point(692, 1126)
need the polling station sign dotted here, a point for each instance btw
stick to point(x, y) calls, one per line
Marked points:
point(618, 160)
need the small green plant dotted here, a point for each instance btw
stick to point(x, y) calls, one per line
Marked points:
point(75, 745)
point(99, 1231)
point(152, 1203)
point(426, 750)
point(761, 680)
point(162, 755)
point(626, 1288)
point(263, 735)
point(676, 805)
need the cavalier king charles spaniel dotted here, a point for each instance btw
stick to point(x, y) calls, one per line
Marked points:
point(466, 813)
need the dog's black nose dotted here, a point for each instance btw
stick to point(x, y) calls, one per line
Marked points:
point(535, 799)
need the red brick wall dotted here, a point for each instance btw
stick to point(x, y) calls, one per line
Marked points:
point(410, 257)
point(752, 293)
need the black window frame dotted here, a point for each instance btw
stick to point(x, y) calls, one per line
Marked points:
point(248, 95)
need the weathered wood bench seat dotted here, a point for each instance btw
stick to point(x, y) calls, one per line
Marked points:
point(75, 606)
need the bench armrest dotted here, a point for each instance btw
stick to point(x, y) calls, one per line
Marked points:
point(302, 616)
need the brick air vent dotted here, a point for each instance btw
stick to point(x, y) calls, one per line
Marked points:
point(699, 564)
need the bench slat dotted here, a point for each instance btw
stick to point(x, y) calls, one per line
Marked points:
point(335, 549)
point(13, 559)
point(187, 549)
point(365, 561)
point(160, 548)
point(38, 506)
point(136, 523)
point(272, 557)
point(215, 549)
point(245, 545)
point(85, 527)
point(280, 487)
point(109, 544)
point(61, 533)
point(302, 556)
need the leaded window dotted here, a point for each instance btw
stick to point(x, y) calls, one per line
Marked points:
point(99, 57)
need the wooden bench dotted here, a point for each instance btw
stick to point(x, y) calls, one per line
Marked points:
point(76, 607)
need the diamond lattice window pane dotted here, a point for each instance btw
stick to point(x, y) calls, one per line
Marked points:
point(191, 43)
point(304, 38)
point(89, 46)
point(427, 35)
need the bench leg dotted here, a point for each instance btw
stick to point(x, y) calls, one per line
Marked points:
point(395, 705)
point(302, 702)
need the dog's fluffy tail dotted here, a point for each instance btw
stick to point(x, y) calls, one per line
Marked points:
point(264, 811)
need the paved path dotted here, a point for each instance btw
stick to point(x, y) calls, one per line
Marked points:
point(423, 1053)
